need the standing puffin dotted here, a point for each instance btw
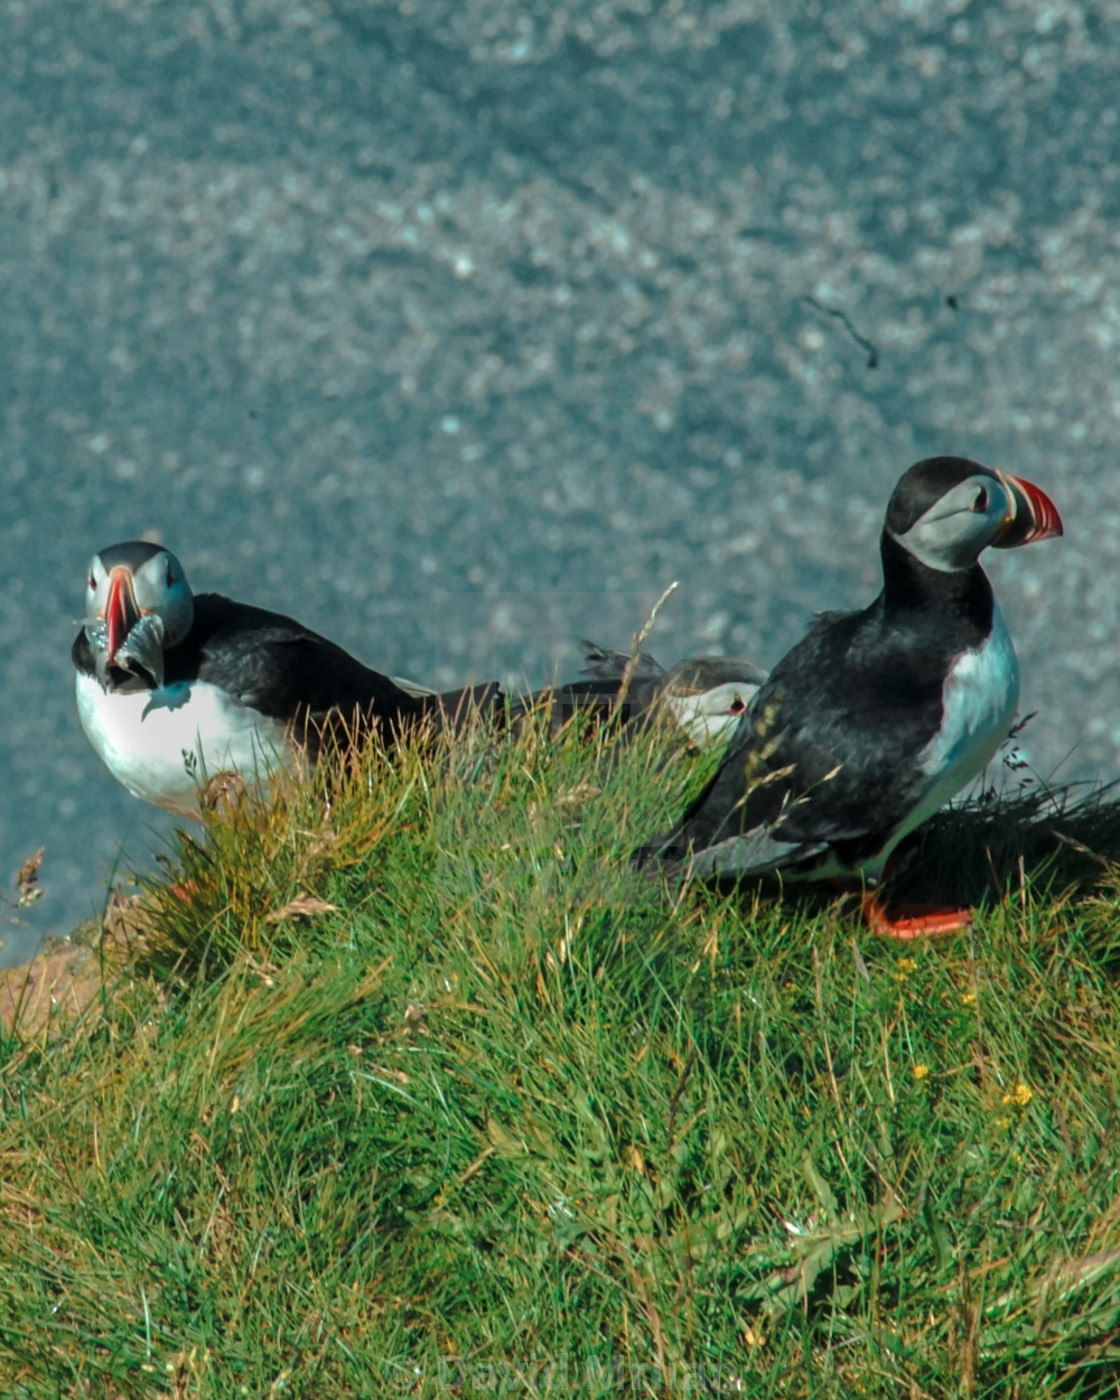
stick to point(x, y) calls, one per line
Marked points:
point(705, 694)
point(876, 718)
point(175, 688)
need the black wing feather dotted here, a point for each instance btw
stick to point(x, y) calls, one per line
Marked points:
point(829, 749)
point(275, 665)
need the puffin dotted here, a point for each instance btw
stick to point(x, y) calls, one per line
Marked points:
point(174, 687)
point(877, 717)
point(706, 695)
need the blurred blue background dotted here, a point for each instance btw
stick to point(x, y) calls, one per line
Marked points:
point(459, 328)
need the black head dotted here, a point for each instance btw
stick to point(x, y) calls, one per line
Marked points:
point(947, 510)
point(131, 554)
point(128, 582)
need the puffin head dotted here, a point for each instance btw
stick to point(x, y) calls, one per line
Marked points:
point(138, 603)
point(709, 694)
point(947, 510)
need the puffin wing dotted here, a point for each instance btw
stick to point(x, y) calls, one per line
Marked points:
point(596, 693)
point(827, 755)
point(757, 853)
point(606, 665)
point(595, 699)
point(274, 665)
point(454, 709)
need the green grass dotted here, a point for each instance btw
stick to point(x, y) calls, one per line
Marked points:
point(417, 1089)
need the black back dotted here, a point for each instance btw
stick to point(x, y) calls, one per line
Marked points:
point(829, 749)
point(274, 665)
point(605, 665)
point(598, 697)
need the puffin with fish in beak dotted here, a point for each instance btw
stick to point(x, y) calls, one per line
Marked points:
point(174, 688)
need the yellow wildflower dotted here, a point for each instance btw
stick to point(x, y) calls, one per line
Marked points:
point(1020, 1096)
point(903, 968)
point(921, 1073)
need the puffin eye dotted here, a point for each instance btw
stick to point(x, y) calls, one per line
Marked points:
point(92, 584)
point(980, 504)
point(737, 706)
point(170, 575)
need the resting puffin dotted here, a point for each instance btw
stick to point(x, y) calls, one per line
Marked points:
point(705, 694)
point(876, 718)
point(174, 688)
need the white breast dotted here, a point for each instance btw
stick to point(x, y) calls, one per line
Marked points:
point(161, 744)
point(979, 700)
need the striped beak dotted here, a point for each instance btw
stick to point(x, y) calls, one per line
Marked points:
point(1033, 515)
point(121, 612)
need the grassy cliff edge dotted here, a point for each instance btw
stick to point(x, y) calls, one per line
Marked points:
point(408, 1084)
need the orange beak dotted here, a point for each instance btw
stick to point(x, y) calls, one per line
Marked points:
point(1033, 515)
point(121, 612)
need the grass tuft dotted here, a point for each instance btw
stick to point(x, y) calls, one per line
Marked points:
point(415, 1087)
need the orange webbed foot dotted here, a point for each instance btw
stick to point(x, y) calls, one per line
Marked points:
point(905, 922)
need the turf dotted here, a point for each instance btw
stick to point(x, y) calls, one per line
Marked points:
point(415, 1087)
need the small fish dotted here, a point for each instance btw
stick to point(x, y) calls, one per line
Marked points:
point(140, 655)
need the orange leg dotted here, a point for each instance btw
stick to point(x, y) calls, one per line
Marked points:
point(907, 921)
